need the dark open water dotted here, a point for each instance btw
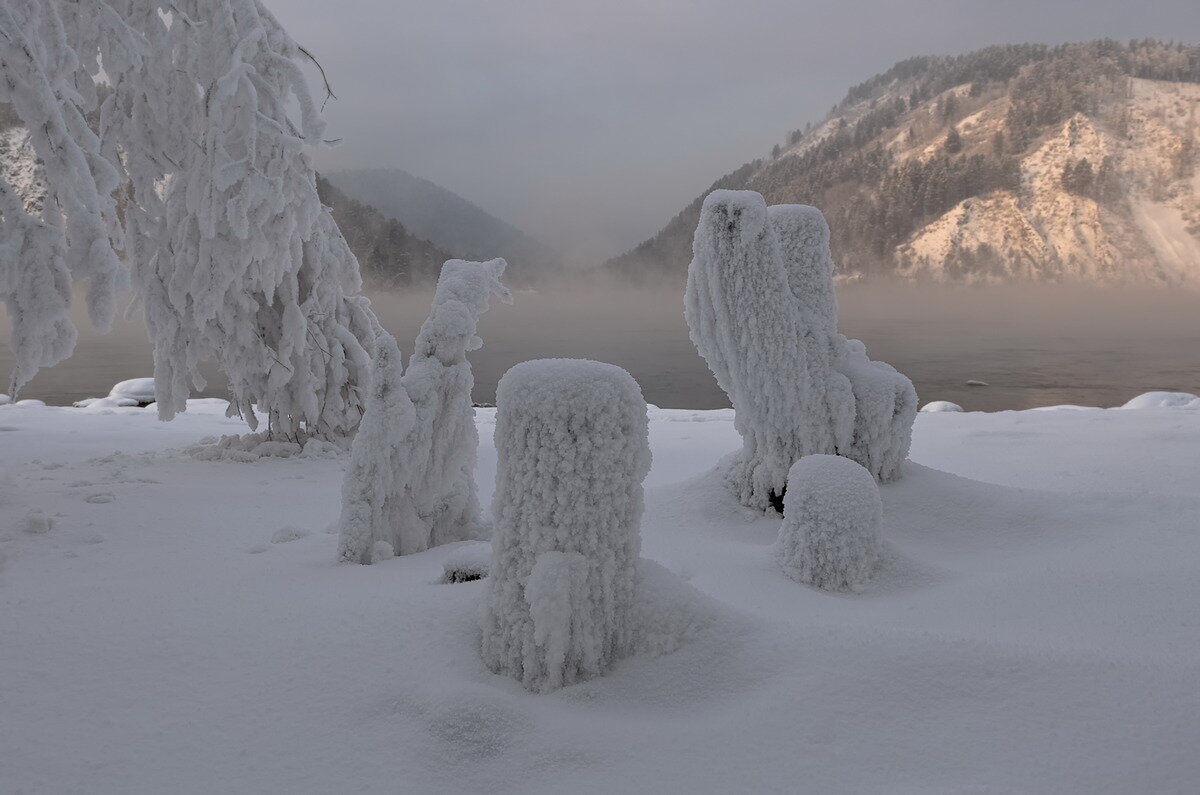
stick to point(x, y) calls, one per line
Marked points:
point(1034, 346)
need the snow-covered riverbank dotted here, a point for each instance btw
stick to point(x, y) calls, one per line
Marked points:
point(180, 625)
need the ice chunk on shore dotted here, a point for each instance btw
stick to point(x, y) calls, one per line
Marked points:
point(941, 405)
point(1164, 400)
point(139, 389)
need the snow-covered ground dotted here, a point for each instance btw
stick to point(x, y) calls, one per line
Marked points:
point(181, 626)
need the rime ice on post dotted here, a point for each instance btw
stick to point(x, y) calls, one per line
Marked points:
point(743, 320)
point(439, 381)
point(830, 536)
point(571, 435)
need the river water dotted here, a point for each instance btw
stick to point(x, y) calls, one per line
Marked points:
point(1033, 346)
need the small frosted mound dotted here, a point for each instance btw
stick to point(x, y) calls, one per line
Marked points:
point(940, 405)
point(1164, 400)
point(30, 402)
point(668, 612)
point(830, 537)
point(106, 403)
point(248, 448)
point(4, 399)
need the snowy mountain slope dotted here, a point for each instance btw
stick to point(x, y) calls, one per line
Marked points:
point(1150, 233)
point(446, 219)
point(181, 626)
point(1022, 163)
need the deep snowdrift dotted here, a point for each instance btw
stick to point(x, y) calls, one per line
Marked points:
point(178, 625)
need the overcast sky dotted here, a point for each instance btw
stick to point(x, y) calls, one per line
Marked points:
point(590, 124)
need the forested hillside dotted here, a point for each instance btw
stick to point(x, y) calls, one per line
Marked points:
point(1013, 162)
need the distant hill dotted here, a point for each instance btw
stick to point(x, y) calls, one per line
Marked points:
point(446, 219)
point(388, 254)
point(1022, 162)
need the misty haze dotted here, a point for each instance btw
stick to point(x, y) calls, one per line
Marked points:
point(1034, 346)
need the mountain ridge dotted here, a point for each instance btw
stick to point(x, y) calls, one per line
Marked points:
point(1012, 163)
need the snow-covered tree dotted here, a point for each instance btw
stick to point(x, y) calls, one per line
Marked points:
point(573, 449)
point(743, 320)
point(48, 62)
point(830, 537)
point(202, 135)
point(411, 482)
point(373, 509)
point(252, 271)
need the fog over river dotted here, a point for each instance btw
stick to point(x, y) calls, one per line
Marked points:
point(1034, 346)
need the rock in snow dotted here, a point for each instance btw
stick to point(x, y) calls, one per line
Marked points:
point(573, 450)
point(940, 405)
point(830, 537)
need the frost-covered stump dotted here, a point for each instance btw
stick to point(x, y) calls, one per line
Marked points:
point(572, 441)
point(830, 537)
point(743, 319)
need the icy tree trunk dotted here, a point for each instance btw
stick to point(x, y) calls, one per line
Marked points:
point(573, 451)
point(830, 537)
point(444, 441)
point(373, 511)
point(743, 320)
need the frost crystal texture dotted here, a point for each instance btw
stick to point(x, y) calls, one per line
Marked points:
point(761, 310)
point(573, 449)
point(411, 481)
point(832, 513)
